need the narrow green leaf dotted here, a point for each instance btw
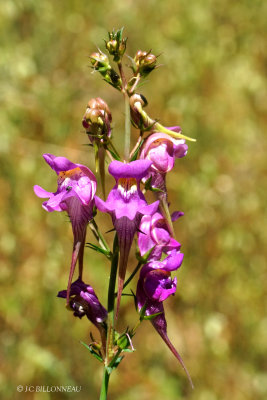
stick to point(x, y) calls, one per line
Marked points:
point(135, 154)
point(152, 316)
point(99, 249)
point(94, 353)
point(142, 312)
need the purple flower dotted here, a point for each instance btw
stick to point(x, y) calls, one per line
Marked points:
point(75, 194)
point(155, 282)
point(84, 301)
point(126, 204)
point(154, 232)
point(154, 286)
point(162, 150)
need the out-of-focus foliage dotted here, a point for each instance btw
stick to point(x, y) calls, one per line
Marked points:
point(212, 82)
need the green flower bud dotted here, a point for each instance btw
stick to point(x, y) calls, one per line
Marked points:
point(116, 45)
point(100, 61)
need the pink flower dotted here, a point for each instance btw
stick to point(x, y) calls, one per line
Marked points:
point(75, 194)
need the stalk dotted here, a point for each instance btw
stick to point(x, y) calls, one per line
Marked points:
point(127, 134)
point(104, 387)
point(110, 321)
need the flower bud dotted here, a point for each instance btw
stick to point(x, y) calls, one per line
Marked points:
point(97, 118)
point(100, 60)
point(137, 98)
point(112, 46)
point(100, 104)
point(93, 116)
point(116, 45)
point(138, 115)
point(145, 62)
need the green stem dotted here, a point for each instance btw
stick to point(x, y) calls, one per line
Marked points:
point(111, 299)
point(110, 321)
point(127, 134)
point(104, 387)
point(113, 275)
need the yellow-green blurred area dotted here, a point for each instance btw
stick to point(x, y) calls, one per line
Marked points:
point(212, 82)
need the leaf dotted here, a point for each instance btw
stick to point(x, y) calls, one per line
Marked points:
point(151, 188)
point(142, 312)
point(94, 353)
point(135, 154)
point(114, 363)
point(99, 249)
point(143, 259)
point(152, 316)
point(114, 155)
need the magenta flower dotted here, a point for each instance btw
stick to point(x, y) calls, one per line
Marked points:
point(162, 150)
point(154, 286)
point(84, 301)
point(75, 194)
point(126, 204)
point(154, 232)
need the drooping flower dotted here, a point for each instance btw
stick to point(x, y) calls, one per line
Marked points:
point(84, 301)
point(154, 234)
point(126, 204)
point(75, 194)
point(154, 286)
point(162, 150)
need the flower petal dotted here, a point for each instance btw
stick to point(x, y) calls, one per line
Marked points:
point(40, 192)
point(135, 169)
point(59, 164)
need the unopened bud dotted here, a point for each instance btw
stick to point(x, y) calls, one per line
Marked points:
point(112, 46)
point(137, 98)
point(100, 104)
point(145, 62)
point(93, 116)
point(97, 118)
point(116, 45)
point(99, 60)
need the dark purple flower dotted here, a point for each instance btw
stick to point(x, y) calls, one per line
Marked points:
point(154, 232)
point(162, 150)
point(126, 204)
point(154, 286)
point(84, 301)
point(75, 194)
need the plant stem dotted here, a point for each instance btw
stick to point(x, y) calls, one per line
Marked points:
point(127, 134)
point(111, 299)
point(110, 321)
point(104, 387)
point(113, 275)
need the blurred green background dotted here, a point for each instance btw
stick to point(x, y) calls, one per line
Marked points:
point(212, 82)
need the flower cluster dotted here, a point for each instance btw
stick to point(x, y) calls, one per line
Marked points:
point(143, 169)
